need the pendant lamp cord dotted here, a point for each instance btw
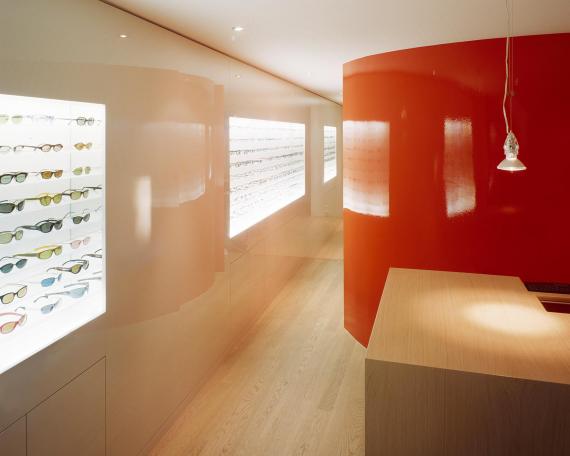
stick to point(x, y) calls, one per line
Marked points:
point(507, 51)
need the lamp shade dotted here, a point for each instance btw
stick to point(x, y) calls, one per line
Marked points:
point(511, 149)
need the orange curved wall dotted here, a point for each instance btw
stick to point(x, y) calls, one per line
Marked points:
point(423, 134)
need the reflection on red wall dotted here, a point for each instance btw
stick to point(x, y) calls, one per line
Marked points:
point(423, 133)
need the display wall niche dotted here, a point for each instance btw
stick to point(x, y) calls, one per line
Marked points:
point(267, 169)
point(52, 162)
point(329, 153)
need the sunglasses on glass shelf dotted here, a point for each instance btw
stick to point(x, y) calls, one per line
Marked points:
point(43, 253)
point(48, 173)
point(45, 226)
point(7, 236)
point(4, 119)
point(7, 178)
point(42, 147)
point(81, 121)
point(49, 280)
point(8, 267)
point(77, 219)
point(82, 170)
point(97, 254)
point(8, 327)
point(46, 199)
point(83, 146)
point(75, 194)
point(76, 268)
point(75, 244)
point(7, 207)
point(76, 293)
point(47, 304)
point(8, 298)
point(96, 187)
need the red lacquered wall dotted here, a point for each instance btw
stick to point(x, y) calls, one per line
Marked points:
point(423, 134)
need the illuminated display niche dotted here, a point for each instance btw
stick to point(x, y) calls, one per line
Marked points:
point(329, 152)
point(267, 169)
point(52, 218)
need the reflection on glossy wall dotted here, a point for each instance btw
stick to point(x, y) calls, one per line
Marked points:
point(180, 293)
point(424, 191)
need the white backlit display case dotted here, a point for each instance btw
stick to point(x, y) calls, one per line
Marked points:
point(329, 151)
point(52, 219)
point(267, 169)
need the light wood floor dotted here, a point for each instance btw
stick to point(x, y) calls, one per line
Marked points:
point(295, 386)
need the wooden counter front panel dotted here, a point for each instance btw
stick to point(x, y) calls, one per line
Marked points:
point(424, 411)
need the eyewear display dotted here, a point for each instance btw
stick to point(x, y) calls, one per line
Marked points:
point(49, 281)
point(4, 119)
point(97, 254)
point(48, 174)
point(8, 298)
point(7, 236)
point(44, 254)
point(97, 187)
point(81, 170)
point(46, 199)
point(42, 147)
point(76, 194)
point(77, 219)
point(74, 269)
point(81, 146)
point(8, 327)
point(81, 121)
point(19, 263)
point(47, 308)
point(7, 207)
point(45, 226)
point(17, 176)
point(76, 293)
point(75, 244)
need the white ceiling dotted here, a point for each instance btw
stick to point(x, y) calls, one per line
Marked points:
point(307, 41)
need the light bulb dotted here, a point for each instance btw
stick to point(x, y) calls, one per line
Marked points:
point(511, 161)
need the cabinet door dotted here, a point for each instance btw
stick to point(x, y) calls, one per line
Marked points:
point(13, 439)
point(72, 421)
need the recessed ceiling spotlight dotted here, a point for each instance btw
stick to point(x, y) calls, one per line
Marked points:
point(237, 76)
point(238, 28)
point(122, 35)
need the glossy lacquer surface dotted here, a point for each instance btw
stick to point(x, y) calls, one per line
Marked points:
point(423, 134)
point(180, 293)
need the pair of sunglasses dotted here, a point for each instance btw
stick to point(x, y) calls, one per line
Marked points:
point(7, 207)
point(46, 199)
point(45, 226)
point(82, 169)
point(7, 236)
point(77, 219)
point(75, 194)
point(8, 327)
point(8, 298)
point(75, 244)
point(7, 267)
point(48, 173)
point(42, 147)
point(76, 268)
point(9, 177)
point(82, 146)
point(47, 308)
point(76, 293)
point(45, 254)
point(97, 254)
point(49, 281)
point(4, 119)
point(80, 120)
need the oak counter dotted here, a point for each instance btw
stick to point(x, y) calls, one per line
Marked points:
point(466, 364)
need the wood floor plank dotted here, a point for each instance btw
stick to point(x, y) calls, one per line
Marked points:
point(294, 386)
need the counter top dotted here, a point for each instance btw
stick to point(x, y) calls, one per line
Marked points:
point(471, 323)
